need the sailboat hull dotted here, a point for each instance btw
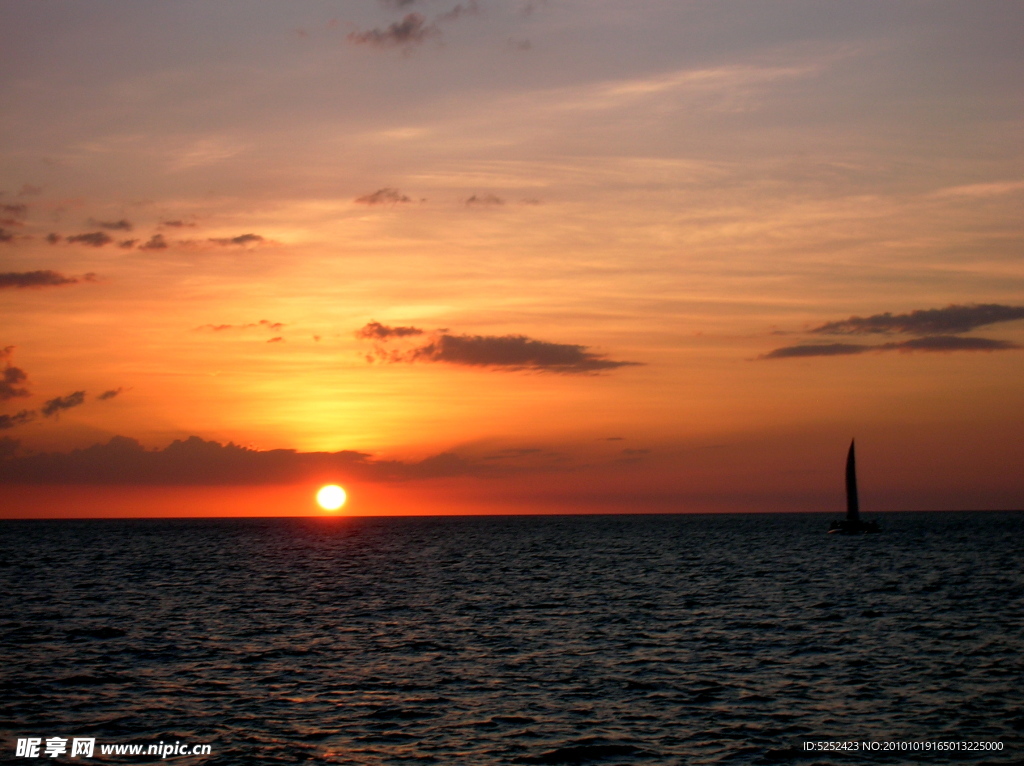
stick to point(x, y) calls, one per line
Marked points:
point(858, 527)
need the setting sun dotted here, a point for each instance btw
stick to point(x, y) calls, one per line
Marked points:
point(331, 497)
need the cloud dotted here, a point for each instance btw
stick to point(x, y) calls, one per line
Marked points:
point(93, 238)
point(8, 447)
point(56, 405)
point(42, 278)
point(52, 238)
point(397, 3)
point(515, 352)
point(263, 323)
point(176, 224)
point(122, 225)
point(17, 211)
point(411, 30)
point(385, 196)
point(194, 461)
point(241, 239)
point(11, 378)
point(28, 190)
point(458, 11)
point(6, 236)
point(952, 319)
point(951, 343)
point(485, 200)
point(378, 331)
point(278, 339)
point(992, 189)
point(933, 343)
point(512, 352)
point(156, 242)
point(9, 382)
point(18, 419)
point(109, 394)
point(821, 349)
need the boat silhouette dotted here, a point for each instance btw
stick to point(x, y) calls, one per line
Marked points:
point(852, 524)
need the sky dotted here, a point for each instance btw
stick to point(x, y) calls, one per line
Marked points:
point(573, 256)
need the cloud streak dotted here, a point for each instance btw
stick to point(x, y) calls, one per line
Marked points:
point(484, 200)
point(194, 461)
point(18, 419)
point(378, 331)
point(92, 238)
point(41, 278)
point(951, 319)
point(509, 352)
point(931, 343)
point(121, 225)
point(241, 239)
point(265, 324)
point(385, 196)
point(12, 378)
point(53, 407)
point(411, 30)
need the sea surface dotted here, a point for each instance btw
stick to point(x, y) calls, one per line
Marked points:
point(676, 639)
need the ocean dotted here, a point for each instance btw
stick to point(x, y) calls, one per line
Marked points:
point(671, 639)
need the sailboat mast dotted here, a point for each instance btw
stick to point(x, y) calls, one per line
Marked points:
point(852, 504)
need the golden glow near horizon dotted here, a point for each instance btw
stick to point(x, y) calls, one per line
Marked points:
point(331, 497)
point(581, 243)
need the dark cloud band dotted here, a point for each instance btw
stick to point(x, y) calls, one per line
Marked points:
point(58, 404)
point(510, 352)
point(194, 461)
point(933, 343)
point(42, 278)
point(952, 319)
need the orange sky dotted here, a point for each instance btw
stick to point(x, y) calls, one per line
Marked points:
point(595, 223)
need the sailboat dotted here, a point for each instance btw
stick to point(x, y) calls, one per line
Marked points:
point(852, 524)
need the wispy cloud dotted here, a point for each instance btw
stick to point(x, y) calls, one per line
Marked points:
point(992, 189)
point(41, 278)
point(385, 196)
point(241, 239)
point(58, 404)
point(484, 200)
point(951, 343)
point(265, 324)
point(952, 319)
point(411, 30)
point(818, 349)
point(12, 377)
point(156, 242)
point(92, 238)
point(932, 343)
point(194, 461)
point(509, 352)
point(121, 225)
point(109, 394)
point(378, 331)
point(17, 419)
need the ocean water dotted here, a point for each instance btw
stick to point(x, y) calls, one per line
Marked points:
point(685, 639)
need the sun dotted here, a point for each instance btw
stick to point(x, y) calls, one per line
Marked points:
point(331, 497)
